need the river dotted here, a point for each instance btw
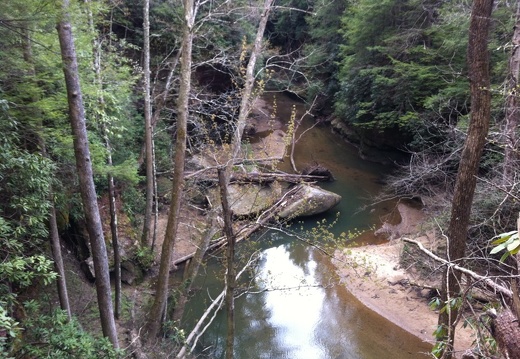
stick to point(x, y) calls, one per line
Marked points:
point(295, 307)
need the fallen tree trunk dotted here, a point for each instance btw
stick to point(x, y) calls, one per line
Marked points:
point(210, 175)
point(271, 177)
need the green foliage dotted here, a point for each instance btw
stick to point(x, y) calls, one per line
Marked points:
point(289, 28)
point(400, 70)
point(441, 332)
point(24, 270)
point(9, 326)
point(144, 256)
point(25, 182)
point(508, 242)
point(53, 336)
point(322, 51)
point(440, 346)
point(133, 204)
point(174, 333)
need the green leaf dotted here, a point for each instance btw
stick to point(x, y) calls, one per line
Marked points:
point(503, 237)
point(513, 245)
point(504, 257)
point(498, 248)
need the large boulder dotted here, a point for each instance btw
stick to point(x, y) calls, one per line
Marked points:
point(308, 201)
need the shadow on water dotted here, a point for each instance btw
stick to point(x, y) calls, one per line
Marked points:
point(295, 308)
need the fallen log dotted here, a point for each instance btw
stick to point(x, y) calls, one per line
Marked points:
point(210, 175)
point(271, 177)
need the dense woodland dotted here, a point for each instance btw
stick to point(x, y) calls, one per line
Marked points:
point(102, 101)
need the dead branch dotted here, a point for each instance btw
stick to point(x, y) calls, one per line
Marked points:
point(497, 287)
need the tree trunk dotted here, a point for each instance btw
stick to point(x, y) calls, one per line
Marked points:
point(161, 293)
point(97, 51)
point(115, 243)
point(230, 259)
point(478, 63)
point(61, 282)
point(85, 175)
point(506, 332)
point(58, 263)
point(224, 174)
point(148, 128)
point(512, 119)
point(246, 101)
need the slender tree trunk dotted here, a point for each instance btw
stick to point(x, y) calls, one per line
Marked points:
point(156, 199)
point(511, 151)
point(115, 242)
point(161, 293)
point(230, 259)
point(85, 175)
point(61, 282)
point(148, 128)
point(246, 94)
point(225, 173)
point(58, 263)
point(478, 63)
point(97, 51)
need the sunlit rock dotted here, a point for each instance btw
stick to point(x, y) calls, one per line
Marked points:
point(309, 201)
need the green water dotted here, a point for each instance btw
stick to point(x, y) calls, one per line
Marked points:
point(295, 308)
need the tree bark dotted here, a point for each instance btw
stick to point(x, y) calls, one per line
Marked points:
point(478, 63)
point(506, 332)
point(115, 242)
point(97, 51)
point(58, 263)
point(148, 128)
point(512, 119)
point(230, 259)
point(85, 175)
point(161, 294)
point(246, 94)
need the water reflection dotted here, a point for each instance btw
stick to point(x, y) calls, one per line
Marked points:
point(298, 310)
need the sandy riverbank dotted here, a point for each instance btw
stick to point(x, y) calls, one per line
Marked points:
point(374, 275)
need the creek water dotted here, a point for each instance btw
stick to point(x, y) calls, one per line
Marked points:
point(295, 307)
